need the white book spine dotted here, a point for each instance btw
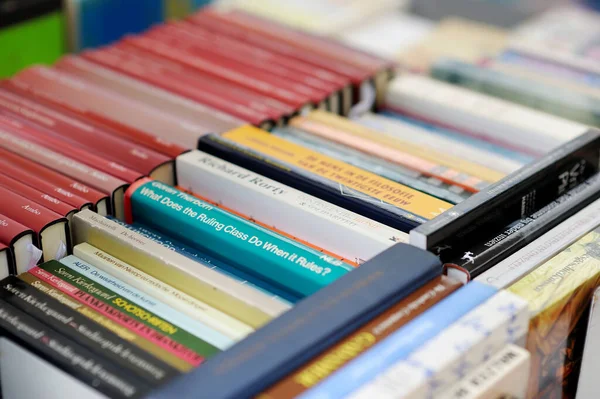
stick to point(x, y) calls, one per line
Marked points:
point(506, 374)
point(460, 348)
point(308, 218)
point(543, 249)
point(178, 300)
point(488, 117)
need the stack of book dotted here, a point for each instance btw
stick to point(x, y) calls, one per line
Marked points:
point(229, 207)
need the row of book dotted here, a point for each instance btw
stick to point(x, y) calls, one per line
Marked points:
point(279, 251)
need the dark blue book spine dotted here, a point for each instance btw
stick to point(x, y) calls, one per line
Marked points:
point(314, 324)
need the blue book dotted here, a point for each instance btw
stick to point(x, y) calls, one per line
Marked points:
point(401, 343)
point(209, 261)
point(313, 325)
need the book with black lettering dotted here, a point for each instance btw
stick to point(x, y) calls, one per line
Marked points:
point(515, 197)
point(70, 357)
point(73, 325)
point(493, 247)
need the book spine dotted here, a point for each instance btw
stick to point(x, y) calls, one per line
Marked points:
point(517, 195)
point(362, 339)
point(116, 312)
point(67, 355)
point(514, 267)
point(296, 268)
point(456, 351)
point(401, 343)
point(198, 310)
point(482, 256)
point(224, 293)
point(252, 194)
point(76, 327)
point(178, 319)
point(123, 332)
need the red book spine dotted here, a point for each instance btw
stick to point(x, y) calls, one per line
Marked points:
point(130, 155)
point(26, 211)
point(145, 139)
point(11, 230)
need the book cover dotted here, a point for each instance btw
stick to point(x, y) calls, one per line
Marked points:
point(22, 242)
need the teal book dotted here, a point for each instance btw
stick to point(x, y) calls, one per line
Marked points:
point(269, 256)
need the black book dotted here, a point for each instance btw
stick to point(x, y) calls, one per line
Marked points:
point(515, 197)
point(82, 330)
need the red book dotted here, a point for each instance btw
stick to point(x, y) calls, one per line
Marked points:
point(47, 201)
point(87, 136)
point(61, 183)
point(7, 261)
point(52, 229)
point(220, 68)
point(22, 242)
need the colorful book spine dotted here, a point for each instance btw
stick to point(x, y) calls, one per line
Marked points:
point(278, 260)
point(178, 319)
point(401, 343)
point(459, 349)
point(194, 308)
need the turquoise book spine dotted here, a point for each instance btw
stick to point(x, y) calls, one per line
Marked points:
point(281, 261)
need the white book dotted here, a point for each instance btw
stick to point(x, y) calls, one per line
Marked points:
point(519, 264)
point(474, 338)
point(244, 303)
point(504, 375)
point(427, 139)
point(481, 115)
point(308, 218)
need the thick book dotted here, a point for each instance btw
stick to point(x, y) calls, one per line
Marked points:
point(52, 229)
point(559, 293)
point(78, 328)
point(260, 198)
point(357, 190)
point(293, 267)
point(246, 304)
point(315, 324)
point(53, 183)
point(362, 339)
point(401, 343)
point(434, 367)
point(7, 261)
point(87, 136)
point(514, 197)
point(22, 242)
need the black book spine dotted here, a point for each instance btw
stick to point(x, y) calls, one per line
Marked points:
point(80, 329)
point(514, 197)
point(497, 245)
point(12, 12)
point(309, 183)
point(68, 356)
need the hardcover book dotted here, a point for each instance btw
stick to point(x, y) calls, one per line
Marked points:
point(22, 242)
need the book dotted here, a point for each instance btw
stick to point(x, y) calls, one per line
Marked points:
point(348, 234)
point(401, 343)
point(559, 293)
point(137, 319)
point(87, 136)
point(67, 355)
point(433, 368)
point(22, 242)
point(7, 261)
point(492, 246)
point(479, 115)
point(586, 384)
point(275, 259)
point(522, 262)
point(52, 230)
point(362, 339)
point(211, 337)
point(96, 316)
point(357, 190)
point(316, 323)
point(396, 173)
point(169, 295)
point(517, 195)
point(228, 295)
point(76, 327)
point(53, 183)
point(503, 375)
